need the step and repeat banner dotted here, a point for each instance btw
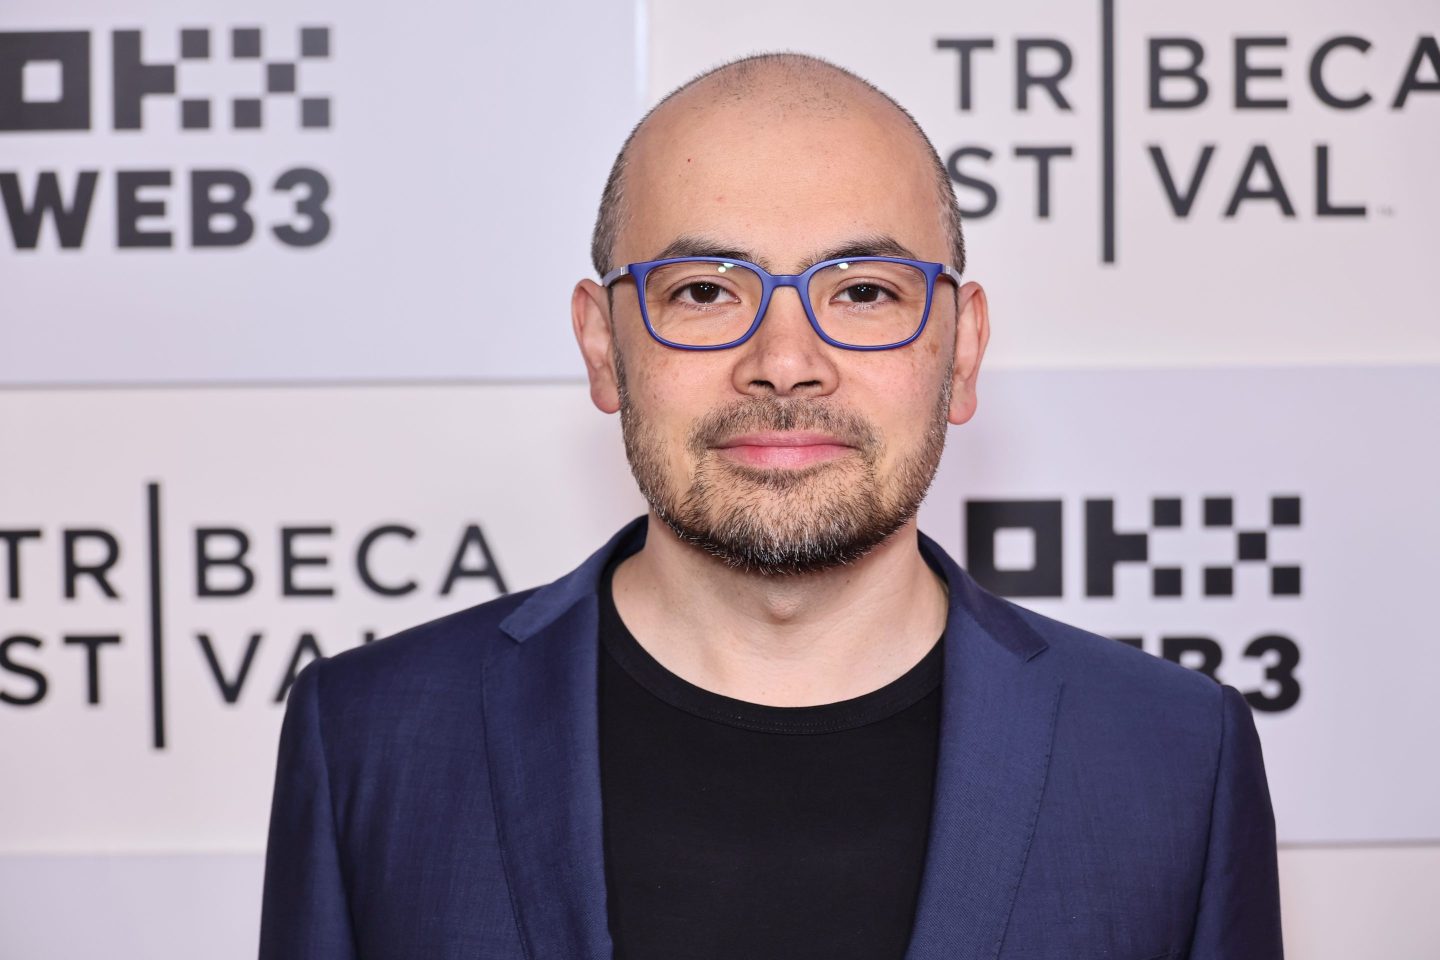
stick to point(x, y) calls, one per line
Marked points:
point(1272, 528)
point(286, 366)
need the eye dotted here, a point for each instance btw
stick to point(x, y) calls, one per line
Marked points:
point(703, 293)
point(864, 292)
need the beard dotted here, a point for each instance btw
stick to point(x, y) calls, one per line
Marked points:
point(783, 521)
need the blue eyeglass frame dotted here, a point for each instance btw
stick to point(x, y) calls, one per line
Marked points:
point(770, 282)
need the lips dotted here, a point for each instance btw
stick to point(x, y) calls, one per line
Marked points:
point(787, 449)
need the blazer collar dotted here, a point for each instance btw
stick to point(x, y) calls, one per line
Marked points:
point(998, 708)
point(552, 600)
point(542, 737)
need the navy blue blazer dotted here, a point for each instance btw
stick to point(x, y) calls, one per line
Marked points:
point(438, 795)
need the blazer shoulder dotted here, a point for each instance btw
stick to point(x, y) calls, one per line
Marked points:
point(431, 658)
point(1104, 674)
point(1121, 708)
point(1093, 668)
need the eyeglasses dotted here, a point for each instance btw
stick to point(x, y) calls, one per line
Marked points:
point(710, 303)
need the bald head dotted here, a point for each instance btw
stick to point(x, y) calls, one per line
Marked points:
point(776, 87)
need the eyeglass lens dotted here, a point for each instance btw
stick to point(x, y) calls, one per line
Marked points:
point(862, 303)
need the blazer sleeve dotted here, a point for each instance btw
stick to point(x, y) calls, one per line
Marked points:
point(1239, 910)
point(304, 914)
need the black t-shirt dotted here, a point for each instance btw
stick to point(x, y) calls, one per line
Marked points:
point(738, 831)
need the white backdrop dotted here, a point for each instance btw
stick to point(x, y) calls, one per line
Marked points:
point(370, 403)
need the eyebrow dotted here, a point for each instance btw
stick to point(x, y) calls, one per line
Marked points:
point(699, 245)
point(874, 245)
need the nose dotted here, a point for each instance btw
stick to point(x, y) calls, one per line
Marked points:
point(785, 357)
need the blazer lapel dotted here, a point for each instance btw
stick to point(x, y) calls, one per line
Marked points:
point(998, 708)
point(542, 735)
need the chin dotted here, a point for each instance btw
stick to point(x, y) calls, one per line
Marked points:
point(786, 522)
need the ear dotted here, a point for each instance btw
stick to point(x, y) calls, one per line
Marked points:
point(972, 333)
point(590, 317)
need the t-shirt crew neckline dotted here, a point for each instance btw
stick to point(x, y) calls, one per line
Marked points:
point(894, 697)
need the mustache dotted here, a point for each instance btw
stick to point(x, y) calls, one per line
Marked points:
point(755, 414)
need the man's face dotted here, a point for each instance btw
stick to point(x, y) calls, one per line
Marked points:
point(785, 454)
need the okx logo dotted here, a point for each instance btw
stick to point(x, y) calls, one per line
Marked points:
point(45, 80)
point(1190, 548)
point(997, 532)
point(242, 81)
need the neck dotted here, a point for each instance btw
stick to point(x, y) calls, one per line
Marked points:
point(782, 640)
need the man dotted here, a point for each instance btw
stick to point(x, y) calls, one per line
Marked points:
point(770, 719)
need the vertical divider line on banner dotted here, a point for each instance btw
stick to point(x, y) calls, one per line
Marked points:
point(1107, 130)
point(157, 643)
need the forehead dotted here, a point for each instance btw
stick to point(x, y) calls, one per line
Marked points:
point(782, 177)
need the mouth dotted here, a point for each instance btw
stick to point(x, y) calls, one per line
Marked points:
point(783, 449)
